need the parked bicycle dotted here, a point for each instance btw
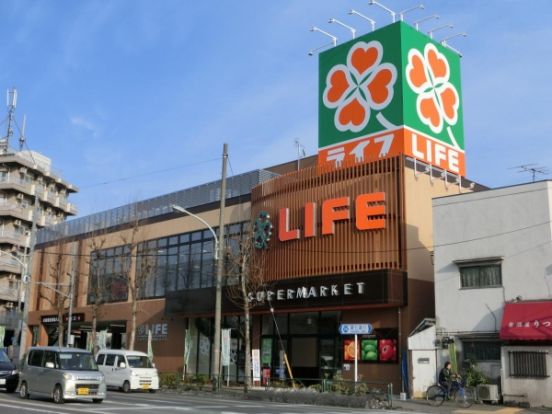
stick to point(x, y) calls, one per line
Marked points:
point(462, 395)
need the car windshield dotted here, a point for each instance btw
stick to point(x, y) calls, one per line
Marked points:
point(4, 357)
point(137, 361)
point(77, 361)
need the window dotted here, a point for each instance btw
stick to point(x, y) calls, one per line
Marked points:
point(481, 350)
point(100, 359)
point(110, 360)
point(50, 357)
point(109, 270)
point(528, 364)
point(483, 273)
point(35, 358)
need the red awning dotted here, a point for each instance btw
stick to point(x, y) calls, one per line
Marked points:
point(527, 321)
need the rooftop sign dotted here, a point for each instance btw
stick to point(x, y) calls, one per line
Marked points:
point(392, 91)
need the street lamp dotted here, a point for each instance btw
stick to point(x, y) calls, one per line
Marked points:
point(183, 210)
point(218, 287)
point(68, 296)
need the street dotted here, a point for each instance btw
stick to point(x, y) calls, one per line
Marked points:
point(137, 403)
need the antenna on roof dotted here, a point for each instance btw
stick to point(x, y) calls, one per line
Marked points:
point(22, 133)
point(300, 152)
point(531, 168)
point(359, 14)
point(11, 103)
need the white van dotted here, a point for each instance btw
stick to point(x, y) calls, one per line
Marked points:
point(128, 370)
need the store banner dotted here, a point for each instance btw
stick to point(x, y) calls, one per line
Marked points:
point(256, 364)
point(225, 347)
point(187, 346)
point(150, 347)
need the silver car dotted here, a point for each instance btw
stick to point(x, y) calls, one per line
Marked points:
point(61, 373)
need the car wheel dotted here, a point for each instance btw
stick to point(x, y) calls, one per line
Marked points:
point(126, 386)
point(23, 390)
point(57, 395)
point(97, 400)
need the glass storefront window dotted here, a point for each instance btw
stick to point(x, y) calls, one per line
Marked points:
point(303, 323)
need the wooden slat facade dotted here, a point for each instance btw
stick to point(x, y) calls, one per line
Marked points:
point(348, 250)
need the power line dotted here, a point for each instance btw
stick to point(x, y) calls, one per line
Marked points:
point(131, 177)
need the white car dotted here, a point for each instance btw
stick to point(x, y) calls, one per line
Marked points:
point(128, 370)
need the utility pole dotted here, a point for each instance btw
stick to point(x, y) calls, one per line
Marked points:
point(27, 280)
point(220, 266)
point(69, 320)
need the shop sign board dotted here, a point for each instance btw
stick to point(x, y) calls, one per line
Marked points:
point(355, 329)
point(256, 364)
point(392, 91)
point(53, 319)
point(369, 214)
point(159, 332)
point(225, 347)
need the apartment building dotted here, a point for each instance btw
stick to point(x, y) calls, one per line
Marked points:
point(24, 177)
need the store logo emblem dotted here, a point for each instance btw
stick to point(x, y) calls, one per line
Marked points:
point(362, 85)
point(262, 231)
point(438, 101)
point(369, 215)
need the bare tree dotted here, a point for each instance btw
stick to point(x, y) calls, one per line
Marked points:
point(245, 277)
point(56, 288)
point(136, 272)
point(98, 287)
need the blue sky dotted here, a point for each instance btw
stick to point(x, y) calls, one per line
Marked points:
point(124, 88)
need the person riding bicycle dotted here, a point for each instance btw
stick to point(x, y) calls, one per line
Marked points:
point(445, 377)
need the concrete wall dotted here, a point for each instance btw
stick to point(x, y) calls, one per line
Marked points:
point(535, 391)
point(512, 223)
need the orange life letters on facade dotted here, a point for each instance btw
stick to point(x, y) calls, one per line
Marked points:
point(369, 215)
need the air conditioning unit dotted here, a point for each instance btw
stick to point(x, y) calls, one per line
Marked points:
point(23, 170)
point(17, 223)
point(20, 196)
point(488, 392)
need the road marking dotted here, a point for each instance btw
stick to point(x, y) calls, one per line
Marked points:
point(38, 410)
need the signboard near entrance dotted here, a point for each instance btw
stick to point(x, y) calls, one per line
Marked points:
point(355, 329)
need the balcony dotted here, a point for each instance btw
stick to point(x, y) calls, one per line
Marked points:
point(9, 264)
point(17, 184)
point(71, 209)
point(8, 208)
point(8, 293)
point(9, 318)
point(12, 237)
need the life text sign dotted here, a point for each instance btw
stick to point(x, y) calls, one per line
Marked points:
point(355, 329)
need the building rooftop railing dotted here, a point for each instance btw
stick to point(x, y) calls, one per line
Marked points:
point(236, 186)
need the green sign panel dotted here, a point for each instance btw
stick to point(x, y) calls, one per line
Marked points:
point(387, 79)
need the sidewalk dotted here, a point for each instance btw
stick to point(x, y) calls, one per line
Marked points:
point(450, 407)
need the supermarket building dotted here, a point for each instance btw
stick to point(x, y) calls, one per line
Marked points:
point(353, 231)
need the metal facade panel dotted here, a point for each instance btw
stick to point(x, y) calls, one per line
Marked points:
point(348, 250)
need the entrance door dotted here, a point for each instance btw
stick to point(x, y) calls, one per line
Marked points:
point(304, 355)
point(328, 358)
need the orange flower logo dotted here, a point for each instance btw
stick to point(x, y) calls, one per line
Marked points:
point(362, 85)
point(428, 76)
